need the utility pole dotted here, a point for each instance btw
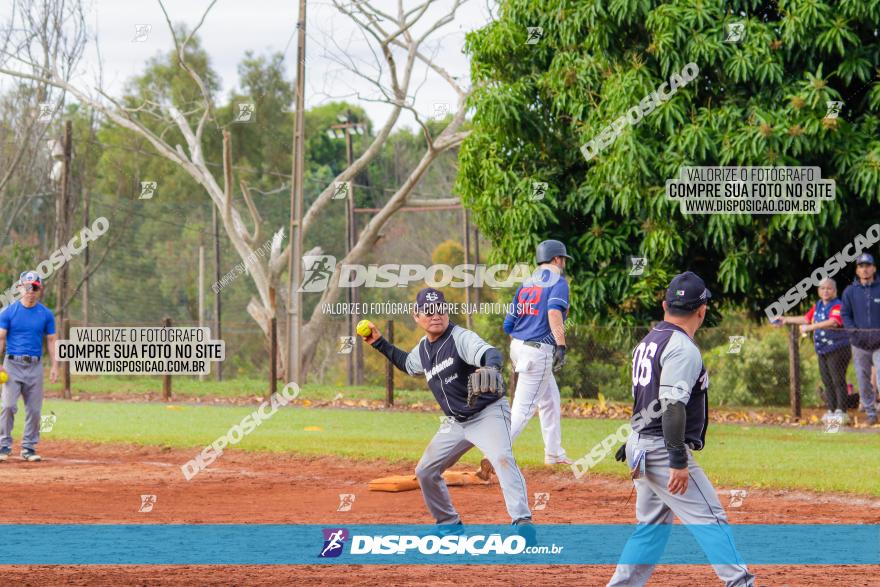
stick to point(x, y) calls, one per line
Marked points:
point(62, 218)
point(294, 306)
point(466, 223)
point(217, 326)
point(353, 297)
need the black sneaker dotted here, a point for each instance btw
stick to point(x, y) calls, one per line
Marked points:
point(526, 528)
point(456, 529)
point(4, 453)
point(30, 455)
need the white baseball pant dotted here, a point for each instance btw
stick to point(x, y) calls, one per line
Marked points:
point(536, 389)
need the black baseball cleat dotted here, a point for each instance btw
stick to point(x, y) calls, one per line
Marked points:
point(456, 529)
point(30, 455)
point(4, 453)
point(526, 528)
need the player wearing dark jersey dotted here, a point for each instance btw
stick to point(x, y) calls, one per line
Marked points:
point(449, 356)
point(670, 416)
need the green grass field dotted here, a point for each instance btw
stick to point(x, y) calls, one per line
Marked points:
point(738, 456)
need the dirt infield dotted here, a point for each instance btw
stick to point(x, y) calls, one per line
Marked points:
point(81, 483)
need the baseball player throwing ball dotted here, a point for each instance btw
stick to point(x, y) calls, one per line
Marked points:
point(537, 348)
point(670, 417)
point(464, 374)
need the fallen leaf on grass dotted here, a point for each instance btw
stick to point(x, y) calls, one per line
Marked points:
point(313, 429)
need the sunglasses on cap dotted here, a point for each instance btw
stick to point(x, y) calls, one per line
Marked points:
point(31, 286)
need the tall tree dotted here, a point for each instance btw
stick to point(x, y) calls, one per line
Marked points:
point(759, 101)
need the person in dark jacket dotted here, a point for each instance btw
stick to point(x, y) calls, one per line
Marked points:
point(861, 318)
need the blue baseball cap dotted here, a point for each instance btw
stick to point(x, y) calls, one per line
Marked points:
point(430, 299)
point(687, 291)
point(865, 259)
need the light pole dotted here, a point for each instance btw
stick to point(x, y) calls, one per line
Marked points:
point(294, 300)
point(348, 124)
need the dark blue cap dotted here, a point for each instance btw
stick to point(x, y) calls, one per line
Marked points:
point(687, 291)
point(865, 259)
point(428, 298)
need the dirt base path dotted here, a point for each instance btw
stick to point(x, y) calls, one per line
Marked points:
point(82, 483)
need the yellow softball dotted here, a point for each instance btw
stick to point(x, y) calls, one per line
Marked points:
point(4, 377)
point(364, 328)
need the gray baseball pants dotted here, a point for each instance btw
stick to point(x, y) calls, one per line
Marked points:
point(489, 431)
point(863, 360)
point(656, 505)
point(25, 380)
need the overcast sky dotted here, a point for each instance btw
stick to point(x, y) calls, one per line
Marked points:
point(264, 26)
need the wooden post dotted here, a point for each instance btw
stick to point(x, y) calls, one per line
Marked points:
point(273, 361)
point(166, 379)
point(65, 369)
point(389, 368)
point(794, 372)
point(476, 261)
point(85, 285)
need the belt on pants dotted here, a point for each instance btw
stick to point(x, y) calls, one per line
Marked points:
point(25, 358)
point(532, 343)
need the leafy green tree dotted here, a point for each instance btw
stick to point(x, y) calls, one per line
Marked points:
point(760, 101)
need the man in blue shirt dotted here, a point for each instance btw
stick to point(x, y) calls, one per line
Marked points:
point(23, 325)
point(537, 348)
point(861, 317)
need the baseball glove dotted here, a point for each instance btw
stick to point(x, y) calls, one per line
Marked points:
point(485, 380)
